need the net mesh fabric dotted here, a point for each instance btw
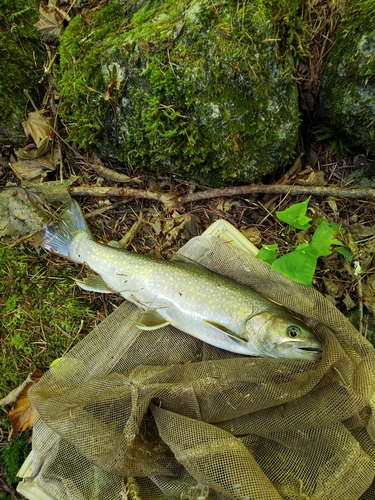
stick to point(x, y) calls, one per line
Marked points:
point(159, 414)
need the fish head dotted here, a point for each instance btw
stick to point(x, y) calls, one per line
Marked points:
point(280, 335)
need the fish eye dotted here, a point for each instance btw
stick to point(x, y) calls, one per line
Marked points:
point(293, 331)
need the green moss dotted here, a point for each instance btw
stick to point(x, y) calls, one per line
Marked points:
point(22, 56)
point(39, 314)
point(13, 455)
point(202, 90)
point(80, 51)
point(348, 91)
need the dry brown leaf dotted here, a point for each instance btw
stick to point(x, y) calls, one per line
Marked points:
point(349, 302)
point(314, 178)
point(112, 84)
point(334, 288)
point(360, 231)
point(38, 126)
point(21, 416)
point(333, 205)
point(19, 215)
point(27, 170)
point(368, 293)
point(252, 234)
point(226, 205)
point(28, 153)
point(50, 24)
point(172, 227)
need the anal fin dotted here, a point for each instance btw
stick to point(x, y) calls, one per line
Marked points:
point(94, 283)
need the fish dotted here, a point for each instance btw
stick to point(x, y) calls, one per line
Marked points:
point(184, 294)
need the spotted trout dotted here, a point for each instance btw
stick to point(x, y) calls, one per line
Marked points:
point(206, 305)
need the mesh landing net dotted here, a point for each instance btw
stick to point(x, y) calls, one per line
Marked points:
point(132, 414)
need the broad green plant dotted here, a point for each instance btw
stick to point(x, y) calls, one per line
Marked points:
point(300, 263)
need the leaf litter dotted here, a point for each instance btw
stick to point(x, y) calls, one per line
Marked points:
point(21, 416)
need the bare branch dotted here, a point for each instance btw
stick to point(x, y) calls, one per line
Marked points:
point(171, 200)
point(278, 189)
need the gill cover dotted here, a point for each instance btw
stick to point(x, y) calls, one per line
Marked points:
point(279, 334)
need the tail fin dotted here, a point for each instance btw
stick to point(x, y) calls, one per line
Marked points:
point(58, 236)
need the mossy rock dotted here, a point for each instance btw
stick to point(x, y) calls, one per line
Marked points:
point(198, 89)
point(22, 57)
point(347, 98)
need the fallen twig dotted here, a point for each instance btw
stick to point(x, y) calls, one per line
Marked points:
point(166, 198)
point(173, 199)
point(279, 189)
point(112, 175)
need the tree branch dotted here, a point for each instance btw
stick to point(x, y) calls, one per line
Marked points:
point(172, 200)
point(278, 189)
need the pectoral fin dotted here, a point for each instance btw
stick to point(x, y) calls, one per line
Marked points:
point(94, 283)
point(226, 331)
point(151, 320)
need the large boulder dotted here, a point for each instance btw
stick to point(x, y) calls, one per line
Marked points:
point(196, 88)
point(22, 57)
point(347, 99)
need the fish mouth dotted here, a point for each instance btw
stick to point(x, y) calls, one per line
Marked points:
point(309, 353)
point(311, 349)
point(293, 351)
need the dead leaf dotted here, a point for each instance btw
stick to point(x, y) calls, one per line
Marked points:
point(50, 24)
point(54, 192)
point(191, 227)
point(19, 215)
point(21, 416)
point(178, 27)
point(13, 395)
point(226, 205)
point(349, 302)
point(335, 289)
point(294, 169)
point(156, 226)
point(361, 231)
point(333, 205)
point(112, 84)
point(28, 170)
point(28, 153)
point(314, 178)
point(38, 126)
point(253, 235)
point(368, 293)
point(172, 227)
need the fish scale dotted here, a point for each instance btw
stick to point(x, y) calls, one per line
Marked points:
point(211, 307)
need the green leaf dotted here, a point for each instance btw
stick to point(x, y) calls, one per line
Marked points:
point(334, 241)
point(345, 252)
point(322, 238)
point(298, 265)
point(268, 253)
point(303, 245)
point(295, 215)
point(333, 225)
